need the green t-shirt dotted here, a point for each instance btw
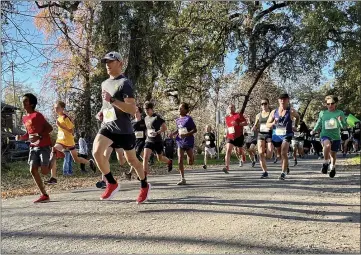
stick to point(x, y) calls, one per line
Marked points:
point(330, 125)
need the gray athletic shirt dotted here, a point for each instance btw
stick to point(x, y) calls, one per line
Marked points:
point(114, 119)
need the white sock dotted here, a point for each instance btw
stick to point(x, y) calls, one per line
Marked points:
point(332, 166)
point(325, 161)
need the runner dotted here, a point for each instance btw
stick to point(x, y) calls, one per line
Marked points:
point(345, 139)
point(65, 141)
point(298, 141)
point(316, 145)
point(356, 136)
point(139, 129)
point(330, 121)
point(281, 121)
point(234, 123)
point(251, 142)
point(210, 145)
point(185, 139)
point(264, 139)
point(118, 106)
point(155, 126)
point(38, 133)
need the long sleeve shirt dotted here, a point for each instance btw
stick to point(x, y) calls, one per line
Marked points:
point(330, 125)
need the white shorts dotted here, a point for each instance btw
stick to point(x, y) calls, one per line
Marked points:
point(297, 143)
point(210, 151)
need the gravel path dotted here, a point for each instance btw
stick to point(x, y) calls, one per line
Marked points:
point(215, 213)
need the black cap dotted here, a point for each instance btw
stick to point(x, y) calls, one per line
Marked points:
point(283, 96)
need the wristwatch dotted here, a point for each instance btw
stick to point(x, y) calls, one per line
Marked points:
point(112, 100)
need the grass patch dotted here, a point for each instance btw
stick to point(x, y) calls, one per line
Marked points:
point(354, 161)
point(16, 179)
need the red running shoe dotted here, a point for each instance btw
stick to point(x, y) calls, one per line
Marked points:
point(109, 192)
point(42, 199)
point(144, 194)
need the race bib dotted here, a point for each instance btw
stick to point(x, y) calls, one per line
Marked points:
point(208, 142)
point(330, 124)
point(61, 134)
point(231, 130)
point(139, 134)
point(263, 128)
point(109, 115)
point(182, 131)
point(345, 132)
point(150, 132)
point(207, 137)
point(281, 131)
point(317, 139)
point(357, 130)
point(297, 134)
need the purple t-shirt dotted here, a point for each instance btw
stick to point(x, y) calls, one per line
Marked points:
point(184, 125)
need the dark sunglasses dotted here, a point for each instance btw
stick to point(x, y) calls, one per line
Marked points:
point(331, 104)
point(264, 103)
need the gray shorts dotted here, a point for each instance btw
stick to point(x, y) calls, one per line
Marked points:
point(39, 156)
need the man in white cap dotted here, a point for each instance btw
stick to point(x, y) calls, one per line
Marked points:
point(117, 108)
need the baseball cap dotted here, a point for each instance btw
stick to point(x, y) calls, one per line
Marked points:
point(113, 55)
point(283, 96)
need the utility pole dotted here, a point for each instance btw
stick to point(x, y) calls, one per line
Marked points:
point(13, 77)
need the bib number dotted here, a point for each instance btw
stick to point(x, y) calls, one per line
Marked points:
point(263, 128)
point(330, 124)
point(345, 132)
point(231, 130)
point(357, 130)
point(208, 142)
point(297, 134)
point(139, 134)
point(281, 131)
point(182, 131)
point(150, 132)
point(207, 137)
point(109, 115)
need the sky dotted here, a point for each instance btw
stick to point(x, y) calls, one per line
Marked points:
point(28, 58)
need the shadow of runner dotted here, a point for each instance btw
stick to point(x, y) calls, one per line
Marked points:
point(165, 239)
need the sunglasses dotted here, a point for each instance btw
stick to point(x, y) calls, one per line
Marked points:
point(330, 103)
point(264, 103)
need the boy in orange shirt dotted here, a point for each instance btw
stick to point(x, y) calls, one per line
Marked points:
point(65, 140)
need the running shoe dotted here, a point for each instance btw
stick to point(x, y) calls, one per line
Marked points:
point(324, 168)
point(332, 172)
point(51, 181)
point(42, 199)
point(182, 182)
point(170, 165)
point(92, 165)
point(264, 175)
point(110, 191)
point(275, 161)
point(225, 170)
point(204, 167)
point(253, 163)
point(101, 184)
point(282, 177)
point(143, 194)
point(295, 163)
point(240, 163)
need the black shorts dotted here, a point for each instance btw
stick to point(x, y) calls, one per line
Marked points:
point(238, 142)
point(120, 141)
point(248, 145)
point(278, 144)
point(344, 137)
point(157, 147)
point(264, 137)
point(139, 146)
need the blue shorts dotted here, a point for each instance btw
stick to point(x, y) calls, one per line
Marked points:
point(335, 144)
